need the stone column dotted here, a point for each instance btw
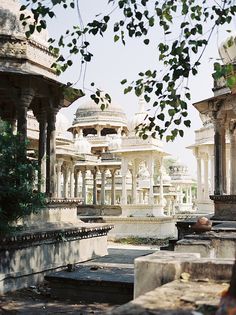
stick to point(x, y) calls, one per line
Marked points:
point(72, 181)
point(151, 173)
point(67, 179)
point(218, 157)
point(206, 185)
point(84, 194)
point(23, 104)
point(223, 149)
point(103, 177)
point(161, 187)
point(51, 154)
point(59, 174)
point(113, 189)
point(187, 194)
point(76, 182)
point(228, 175)
point(190, 195)
point(199, 178)
point(181, 195)
point(212, 173)
point(42, 119)
point(94, 173)
point(124, 170)
point(99, 129)
point(134, 185)
point(233, 158)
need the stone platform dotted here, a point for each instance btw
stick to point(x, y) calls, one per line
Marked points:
point(137, 226)
point(27, 256)
point(224, 207)
point(218, 243)
point(176, 284)
point(108, 279)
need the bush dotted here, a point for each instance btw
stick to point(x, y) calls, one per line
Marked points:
point(18, 196)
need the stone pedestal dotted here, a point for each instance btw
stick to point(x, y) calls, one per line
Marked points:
point(225, 207)
point(57, 210)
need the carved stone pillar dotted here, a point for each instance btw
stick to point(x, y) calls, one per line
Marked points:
point(103, 183)
point(199, 178)
point(223, 148)
point(151, 173)
point(42, 119)
point(72, 181)
point(59, 174)
point(124, 170)
point(218, 137)
point(212, 173)
point(206, 185)
point(181, 195)
point(24, 101)
point(51, 154)
point(94, 173)
point(113, 189)
point(161, 202)
point(233, 158)
point(99, 129)
point(76, 182)
point(84, 193)
point(134, 186)
point(67, 180)
point(190, 195)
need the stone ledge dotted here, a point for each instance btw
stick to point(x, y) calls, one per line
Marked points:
point(223, 198)
point(53, 233)
point(154, 270)
point(175, 298)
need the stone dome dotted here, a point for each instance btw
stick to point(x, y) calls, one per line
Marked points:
point(10, 23)
point(227, 49)
point(90, 114)
point(82, 145)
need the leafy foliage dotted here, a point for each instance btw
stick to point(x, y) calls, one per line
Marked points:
point(17, 178)
point(191, 23)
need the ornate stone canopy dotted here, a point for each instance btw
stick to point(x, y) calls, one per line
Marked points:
point(90, 115)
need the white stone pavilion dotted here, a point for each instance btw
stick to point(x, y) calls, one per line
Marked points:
point(215, 146)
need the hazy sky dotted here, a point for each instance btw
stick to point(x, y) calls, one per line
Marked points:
point(113, 62)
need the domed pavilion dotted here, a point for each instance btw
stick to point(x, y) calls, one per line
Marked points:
point(25, 71)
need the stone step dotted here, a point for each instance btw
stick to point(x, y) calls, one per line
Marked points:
point(204, 247)
point(94, 284)
point(108, 279)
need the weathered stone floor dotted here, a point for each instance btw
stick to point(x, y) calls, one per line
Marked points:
point(37, 301)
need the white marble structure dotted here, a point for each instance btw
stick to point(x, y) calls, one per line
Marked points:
point(105, 162)
point(215, 144)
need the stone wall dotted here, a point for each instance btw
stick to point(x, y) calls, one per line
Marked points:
point(27, 256)
point(143, 227)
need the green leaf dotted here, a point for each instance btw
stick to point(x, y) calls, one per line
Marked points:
point(161, 116)
point(128, 89)
point(187, 123)
point(116, 38)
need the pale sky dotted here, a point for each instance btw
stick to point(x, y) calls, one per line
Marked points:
point(113, 62)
